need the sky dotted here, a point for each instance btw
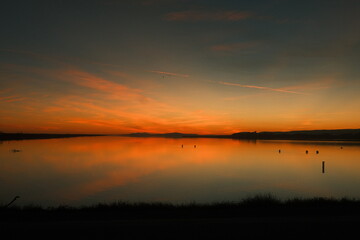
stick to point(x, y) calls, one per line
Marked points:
point(190, 66)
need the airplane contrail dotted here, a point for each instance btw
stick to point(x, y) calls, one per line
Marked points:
point(259, 87)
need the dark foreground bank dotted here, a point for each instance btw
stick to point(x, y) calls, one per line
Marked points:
point(256, 217)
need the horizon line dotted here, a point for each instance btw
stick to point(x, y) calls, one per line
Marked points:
point(304, 130)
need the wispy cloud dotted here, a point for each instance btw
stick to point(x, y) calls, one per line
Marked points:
point(260, 87)
point(12, 99)
point(171, 74)
point(116, 90)
point(16, 99)
point(156, 117)
point(53, 109)
point(203, 15)
point(102, 103)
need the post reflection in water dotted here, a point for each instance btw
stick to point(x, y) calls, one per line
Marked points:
point(88, 170)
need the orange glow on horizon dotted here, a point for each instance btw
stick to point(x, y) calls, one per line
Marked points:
point(102, 104)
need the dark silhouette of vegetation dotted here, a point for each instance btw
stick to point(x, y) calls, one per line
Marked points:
point(255, 217)
point(344, 134)
point(265, 205)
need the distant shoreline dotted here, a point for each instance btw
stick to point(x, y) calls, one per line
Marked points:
point(32, 136)
point(315, 135)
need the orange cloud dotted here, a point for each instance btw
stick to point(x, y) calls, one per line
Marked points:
point(88, 80)
point(127, 113)
point(202, 15)
point(99, 104)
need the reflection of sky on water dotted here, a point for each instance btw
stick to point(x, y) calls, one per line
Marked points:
point(314, 142)
point(88, 170)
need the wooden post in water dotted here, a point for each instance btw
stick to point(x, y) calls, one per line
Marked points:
point(323, 166)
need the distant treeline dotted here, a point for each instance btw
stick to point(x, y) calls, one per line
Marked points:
point(24, 136)
point(345, 134)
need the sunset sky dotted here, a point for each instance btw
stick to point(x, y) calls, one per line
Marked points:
point(191, 66)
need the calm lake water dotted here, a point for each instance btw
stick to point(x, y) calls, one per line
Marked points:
point(88, 170)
